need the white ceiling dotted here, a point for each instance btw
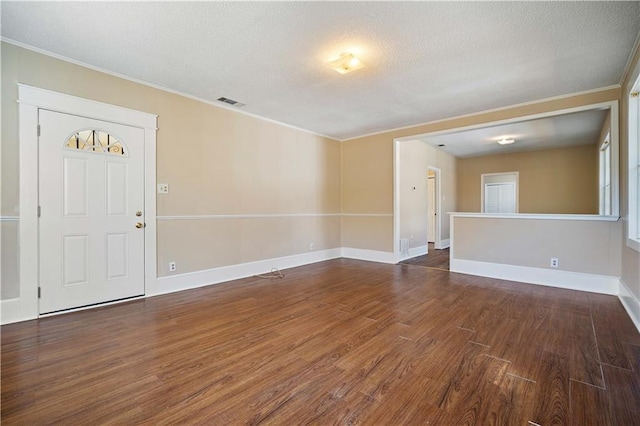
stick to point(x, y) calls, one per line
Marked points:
point(424, 60)
point(560, 131)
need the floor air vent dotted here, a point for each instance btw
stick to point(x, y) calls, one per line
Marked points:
point(404, 246)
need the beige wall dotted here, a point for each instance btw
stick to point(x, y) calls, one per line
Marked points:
point(581, 246)
point(368, 161)
point(9, 259)
point(221, 162)
point(561, 180)
point(216, 161)
point(367, 194)
point(630, 257)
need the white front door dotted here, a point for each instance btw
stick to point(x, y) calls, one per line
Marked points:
point(91, 196)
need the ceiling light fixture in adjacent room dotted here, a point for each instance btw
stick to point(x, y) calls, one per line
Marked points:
point(346, 63)
point(505, 141)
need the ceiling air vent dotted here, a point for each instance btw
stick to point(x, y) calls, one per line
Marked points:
point(231, 102)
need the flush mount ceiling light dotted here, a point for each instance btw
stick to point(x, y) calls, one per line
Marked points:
point(346, 63)
point(505, 141)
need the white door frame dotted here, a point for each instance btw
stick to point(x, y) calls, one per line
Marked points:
point(438, 207)
point(30, 100)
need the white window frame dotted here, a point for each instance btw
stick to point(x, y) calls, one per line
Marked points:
point(633, 171)
point(606, 201)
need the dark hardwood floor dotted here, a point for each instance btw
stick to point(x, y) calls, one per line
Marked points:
point(337, 342)
point(438, 259)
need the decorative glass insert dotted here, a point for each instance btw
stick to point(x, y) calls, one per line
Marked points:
point(95, 141)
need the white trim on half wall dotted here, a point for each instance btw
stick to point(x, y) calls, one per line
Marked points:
point(630, 302)
point(548, 277)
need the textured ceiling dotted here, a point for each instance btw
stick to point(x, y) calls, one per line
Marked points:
point(560, 131)
point(424, 60)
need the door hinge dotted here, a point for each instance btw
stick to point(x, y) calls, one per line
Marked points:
point(634, 94)
point(39, 211)
point(38, 130)
point(39, 292)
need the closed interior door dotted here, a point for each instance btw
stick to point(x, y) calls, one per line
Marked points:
point(500, 198)
point(91, 196)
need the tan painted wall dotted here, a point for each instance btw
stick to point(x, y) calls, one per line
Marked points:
point(367, 165)
point(581, 246)
point(216, 162)
point(630, 257)
point(357, 173)
point(367, 189)
point(550, 181)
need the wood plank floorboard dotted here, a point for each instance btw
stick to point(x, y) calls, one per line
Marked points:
point(438, 259)
point(336, 342)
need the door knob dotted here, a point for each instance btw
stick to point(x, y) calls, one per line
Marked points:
point(139, 225)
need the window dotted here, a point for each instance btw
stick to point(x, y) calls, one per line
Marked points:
point(95, 141)
point(634, 166)
point(605, 176)
point(500, 192)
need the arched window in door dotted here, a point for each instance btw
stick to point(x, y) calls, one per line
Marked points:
point(92, 140)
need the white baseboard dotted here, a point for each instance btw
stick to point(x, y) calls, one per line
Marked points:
point(552, 278)
point(370, 255)
point(12, 310)
point(443, 244)
point(418, 251)
point(630, 302)
point(413, 252)
point(173, 283)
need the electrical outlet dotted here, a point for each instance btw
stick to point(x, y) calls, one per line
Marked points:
point(554, 262)
point(312, 246)
point(163, 188)
point(172, 266)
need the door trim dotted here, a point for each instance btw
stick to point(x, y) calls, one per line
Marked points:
point(30, 100)
point(438, 207)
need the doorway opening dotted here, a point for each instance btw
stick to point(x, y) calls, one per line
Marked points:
point(437, 256)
